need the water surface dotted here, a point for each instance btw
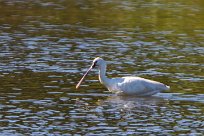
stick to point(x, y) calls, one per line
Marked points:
point(46, 46)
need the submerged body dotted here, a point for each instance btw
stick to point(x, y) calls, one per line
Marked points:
point(126, 85)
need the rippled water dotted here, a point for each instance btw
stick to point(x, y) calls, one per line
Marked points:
point(46, 46)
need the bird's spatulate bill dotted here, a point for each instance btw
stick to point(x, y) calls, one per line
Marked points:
point(77, 86)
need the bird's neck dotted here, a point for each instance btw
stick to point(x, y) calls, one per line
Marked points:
point(102, 75)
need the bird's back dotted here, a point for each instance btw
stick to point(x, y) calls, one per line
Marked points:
point(136, 86)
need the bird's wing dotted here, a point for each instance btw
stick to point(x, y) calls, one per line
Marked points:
point(140, 86)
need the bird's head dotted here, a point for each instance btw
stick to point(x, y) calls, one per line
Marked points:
point(97, 62)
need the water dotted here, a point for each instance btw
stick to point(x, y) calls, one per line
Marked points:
point(46, 46)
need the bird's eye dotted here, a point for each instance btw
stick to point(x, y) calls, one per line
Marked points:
point(94, 64)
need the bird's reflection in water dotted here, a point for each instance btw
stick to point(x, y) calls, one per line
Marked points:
point(134, 101)
point(128, 107)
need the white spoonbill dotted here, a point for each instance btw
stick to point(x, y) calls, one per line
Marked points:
point(125, 85)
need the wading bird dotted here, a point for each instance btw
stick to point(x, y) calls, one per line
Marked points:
point(125, 85)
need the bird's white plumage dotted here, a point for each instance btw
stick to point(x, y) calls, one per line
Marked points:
point(135, 86)
point(126, 85)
